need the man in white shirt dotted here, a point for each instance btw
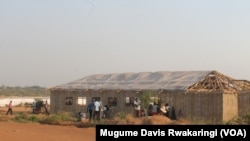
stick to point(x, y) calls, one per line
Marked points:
point(97, 110)
point(137, 104)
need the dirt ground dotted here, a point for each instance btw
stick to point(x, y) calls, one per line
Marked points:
point(12, 131)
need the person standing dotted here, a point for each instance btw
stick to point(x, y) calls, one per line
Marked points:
point(90, 109)
point(155, 109)
point(105, 112)
point(33, 107)
point(150, 109)
point(137, 105)
point(9, 108)
point(46, 107)
point(169, 110)
point(97, 110)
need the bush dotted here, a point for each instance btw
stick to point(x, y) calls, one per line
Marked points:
point(21, 117)
point(247, 118)
point(240, 120)
point(59, 118)
point(33, 118)
point(121, 115)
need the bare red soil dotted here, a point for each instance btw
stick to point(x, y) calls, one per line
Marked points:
point(12, 131)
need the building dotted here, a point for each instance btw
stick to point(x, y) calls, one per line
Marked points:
point(200, 95)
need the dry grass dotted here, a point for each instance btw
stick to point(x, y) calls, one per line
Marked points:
point(149, 120)
point(131, 120)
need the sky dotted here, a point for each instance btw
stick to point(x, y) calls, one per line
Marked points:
point(51, 42)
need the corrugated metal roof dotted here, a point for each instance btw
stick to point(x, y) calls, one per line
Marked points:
point(165, 80)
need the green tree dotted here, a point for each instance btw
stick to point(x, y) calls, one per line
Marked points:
point(146, 99)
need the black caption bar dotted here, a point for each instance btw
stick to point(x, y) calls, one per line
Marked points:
point(204, 132)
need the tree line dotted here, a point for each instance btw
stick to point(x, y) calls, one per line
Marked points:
point(24, 91)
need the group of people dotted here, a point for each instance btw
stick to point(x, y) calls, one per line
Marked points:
point(155, 109)
point(46, 107)
point(35, 106)
point(167, 110)
point(94, 109)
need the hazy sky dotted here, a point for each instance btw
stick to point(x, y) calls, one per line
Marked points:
point(50, 42)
